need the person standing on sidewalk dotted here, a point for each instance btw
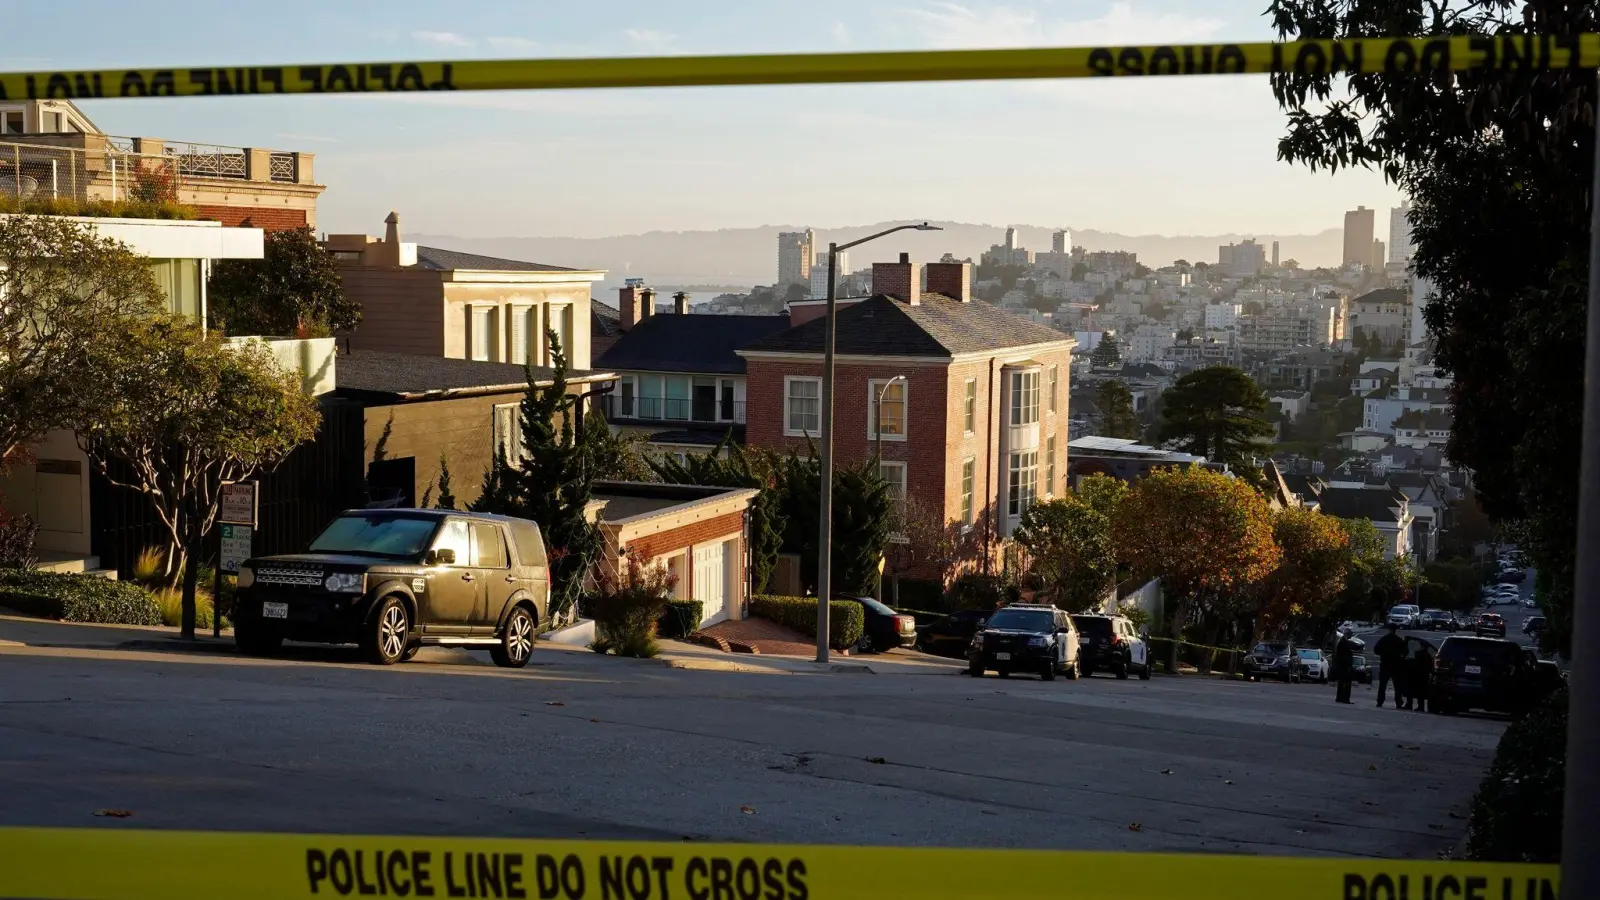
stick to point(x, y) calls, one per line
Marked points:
point(1344, 659)
point(1391, 651)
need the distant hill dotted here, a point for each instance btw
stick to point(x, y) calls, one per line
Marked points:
point(749, 256)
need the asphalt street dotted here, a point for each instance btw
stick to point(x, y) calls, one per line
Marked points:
point(583, 746)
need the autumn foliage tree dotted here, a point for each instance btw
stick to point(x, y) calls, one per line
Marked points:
point(1311, 573)
point(1069, 546)
point(1204, 534)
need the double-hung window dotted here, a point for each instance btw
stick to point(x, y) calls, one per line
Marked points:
point(1024, 481)
point(802, 406)
point(886, 409)
point(1025, 397)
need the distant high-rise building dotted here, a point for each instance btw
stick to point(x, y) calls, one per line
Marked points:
point(1401, 247)
point(1011, 239)
point(1358, 236)
point(1274, 254)
point(1377, 254)
point(819, 275)
point(1061, 242)
point(1247, 258)
point(794, 258)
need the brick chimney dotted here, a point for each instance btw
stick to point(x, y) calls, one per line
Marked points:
point(630, 303)
point(901, 279)
point(389, 254)
point(647, 299)
point(954, 280)
point(680, 303)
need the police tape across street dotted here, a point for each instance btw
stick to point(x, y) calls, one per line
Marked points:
point(1395, 56)
point(117, 864)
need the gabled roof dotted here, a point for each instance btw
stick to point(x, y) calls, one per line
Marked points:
point(882, 325)
point(604, 321)
point(667, 342)
point(451, 260)
point(1384, 295)
point(1378, 503)
point(407, 376)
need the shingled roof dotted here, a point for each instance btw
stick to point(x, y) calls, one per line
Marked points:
point(1377, 503)
point(882, 325)
point(451, 260)
point(668, 342)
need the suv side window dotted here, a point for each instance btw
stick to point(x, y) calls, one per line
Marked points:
point(488, 547)
point(453, 536)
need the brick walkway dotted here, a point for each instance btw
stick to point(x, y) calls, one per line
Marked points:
point(767, 638)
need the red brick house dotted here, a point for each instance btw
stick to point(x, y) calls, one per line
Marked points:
point(974, 399)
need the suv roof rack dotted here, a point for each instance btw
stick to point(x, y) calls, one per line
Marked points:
point(1030, 606)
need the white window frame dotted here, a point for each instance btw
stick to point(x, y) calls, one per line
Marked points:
point(873, 386)
point(969, 406)
point(528, 352)
point(1025, 388)
point(490, 312)
point(898, 484)
point(1022, 493)
point(969, 483)
point(788, 400)
point(1054, 380)
point(560, 316)
point(1050, 466)
point(507, 435)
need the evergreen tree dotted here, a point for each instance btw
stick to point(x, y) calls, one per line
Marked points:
point(740, 467)
point(1107, 353)
point(1117, 418)
point(447, 499)
point(1220, 413)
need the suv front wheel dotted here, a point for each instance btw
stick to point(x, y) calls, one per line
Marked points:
point(388, 633)
point(516, 640)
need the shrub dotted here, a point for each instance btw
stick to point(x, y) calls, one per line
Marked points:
point(627, 608)
point(150, 566)
point(98, 209)
point(846, 620)
point(78, 598)
point(17, 535)
point(170, 601)
point(680, 618)
point(1516, 815)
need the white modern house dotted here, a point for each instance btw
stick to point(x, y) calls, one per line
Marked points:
point(54, 487)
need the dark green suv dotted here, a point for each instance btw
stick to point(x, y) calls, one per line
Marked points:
point(392, 580)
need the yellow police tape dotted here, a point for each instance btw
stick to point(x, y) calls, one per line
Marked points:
point(1397, 56)
point(109, 864)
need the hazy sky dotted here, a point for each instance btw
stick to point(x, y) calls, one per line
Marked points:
point(1169, 156)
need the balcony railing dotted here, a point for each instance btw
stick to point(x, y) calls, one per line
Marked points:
point(98, 167)
point(657, 409)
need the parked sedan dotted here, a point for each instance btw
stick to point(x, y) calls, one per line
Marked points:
point(1490, 623)
point(1360, 671)
point(884, 628)
point(1533, 625)
point(950, 635)
point(1437, 620)
point(1313, 665)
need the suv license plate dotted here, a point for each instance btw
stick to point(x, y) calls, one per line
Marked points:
point(1473, 670)
point(1003, 657)
point(275, 610)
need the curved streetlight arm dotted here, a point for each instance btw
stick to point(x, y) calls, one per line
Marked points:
point(922, 226)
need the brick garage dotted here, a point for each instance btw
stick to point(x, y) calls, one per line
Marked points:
point(699, 534)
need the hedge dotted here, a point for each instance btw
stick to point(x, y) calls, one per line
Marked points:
point(680, 617)
point(846, 620)
point(1516, 815)
point(78, 598)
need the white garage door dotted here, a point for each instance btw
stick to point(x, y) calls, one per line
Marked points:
point(710, 582)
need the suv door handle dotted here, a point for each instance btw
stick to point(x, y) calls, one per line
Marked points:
point(511, 579)
point(466, 576)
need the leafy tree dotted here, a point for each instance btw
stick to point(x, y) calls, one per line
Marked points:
point(1499, 166)
point(294, 288)
point(1180, 263)
point(746, 468)
point(1253, 308)
point(1069, 545)
point(862, 517)
point(69, 297)
point(1080, 271)
point(1185, 335)
point(447, 498)
point(1201, 532)
point(615, 455)
point(1373, 582)
point(1117, 418)
point(1219, 413)
point(1107, 353)
point(1311, 574)
point(797, 293)
point(1155, 309)
point(184, 414)
point(553, 481)
point(1102, 493)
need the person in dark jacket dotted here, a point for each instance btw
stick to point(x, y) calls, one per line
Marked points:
point(1391, 652)
point(1344, 660)
point(1421, 677)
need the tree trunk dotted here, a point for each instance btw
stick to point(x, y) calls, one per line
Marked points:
point(1213, 634)
point(1180, 614)
point(191, 578)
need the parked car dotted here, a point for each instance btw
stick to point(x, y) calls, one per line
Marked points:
point(1026, 637)
point(1465, 622)
point(1313, 665)
point(950, 635)
point(1533, 624)
point(1272, 659)
point(1437, 620)
point(1547, 675)
point(1490, 623)
point(1405, 615)
point(393, 580)
point(1491, 674)
point(884, 629)
point(1513, 576)
point(1530, 603)
point(1360, 670)
point(1112, 644)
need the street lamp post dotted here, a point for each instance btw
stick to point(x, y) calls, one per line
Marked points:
point(825, 428)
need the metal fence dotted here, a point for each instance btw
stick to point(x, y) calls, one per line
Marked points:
point(114, 169)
